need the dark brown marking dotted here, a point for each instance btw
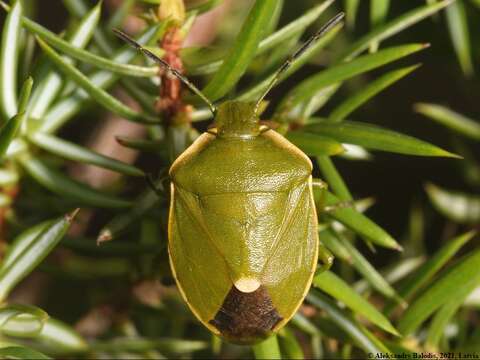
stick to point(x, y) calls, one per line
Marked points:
point(246, 317)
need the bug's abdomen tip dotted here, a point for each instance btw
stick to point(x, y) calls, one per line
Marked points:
point(246, 317)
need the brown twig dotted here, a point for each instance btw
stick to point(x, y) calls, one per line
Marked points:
point(170, 100)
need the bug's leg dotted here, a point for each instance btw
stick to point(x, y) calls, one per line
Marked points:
point(323, 186)
point(156, 184)
point(325, 257)
point(320, 184)
point(151, 184)
point(338, 206)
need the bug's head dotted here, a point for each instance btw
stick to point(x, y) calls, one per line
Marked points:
point(237, 119)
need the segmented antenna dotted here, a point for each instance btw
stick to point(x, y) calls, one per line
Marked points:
point(166, 65)
point(320, 33)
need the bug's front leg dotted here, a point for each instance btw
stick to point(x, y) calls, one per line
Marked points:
point(157, 185)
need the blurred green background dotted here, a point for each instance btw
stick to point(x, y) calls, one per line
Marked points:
point(114, 296)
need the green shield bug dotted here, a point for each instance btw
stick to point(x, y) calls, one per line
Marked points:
point(243, 229)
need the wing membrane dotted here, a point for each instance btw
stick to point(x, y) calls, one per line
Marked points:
point(199, 267)
point(290, 266)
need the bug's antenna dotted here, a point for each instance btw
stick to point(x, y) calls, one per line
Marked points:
point(166, 65)
point(320, 33)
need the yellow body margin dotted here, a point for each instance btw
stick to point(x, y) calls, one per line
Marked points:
point(172, 267)
point(314, 265)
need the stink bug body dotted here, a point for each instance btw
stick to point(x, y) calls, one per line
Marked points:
point(243, 229)
point(243, 234)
